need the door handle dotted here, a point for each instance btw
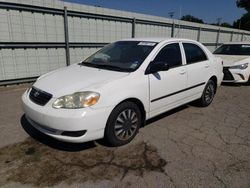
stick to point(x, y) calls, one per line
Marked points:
point(183, 71)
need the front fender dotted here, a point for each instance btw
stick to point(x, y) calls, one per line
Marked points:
point(133, 86)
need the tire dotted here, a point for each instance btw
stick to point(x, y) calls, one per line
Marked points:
point(208, 94)
point(123, 124)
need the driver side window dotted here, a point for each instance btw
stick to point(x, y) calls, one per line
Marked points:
point(171, 54)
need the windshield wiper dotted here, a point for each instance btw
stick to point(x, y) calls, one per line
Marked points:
point(104, 66)
point(112, 67)
point(87, 64)
point(84, 63)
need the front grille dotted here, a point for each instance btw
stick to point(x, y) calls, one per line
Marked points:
point(39, 97)
point(227, 74)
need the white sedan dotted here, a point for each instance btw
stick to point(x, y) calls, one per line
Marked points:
point(236, 58)
point(113, 92)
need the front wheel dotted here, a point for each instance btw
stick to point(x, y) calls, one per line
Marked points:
point(208, 94)
point(123, 124)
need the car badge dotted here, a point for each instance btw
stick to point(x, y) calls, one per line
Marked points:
point(36, 94)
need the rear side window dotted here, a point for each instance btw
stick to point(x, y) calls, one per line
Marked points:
point(194, 53)
point(171, 54)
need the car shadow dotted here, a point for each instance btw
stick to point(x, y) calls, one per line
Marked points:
point(168, 113)
point(232, 84)
point(53, 143)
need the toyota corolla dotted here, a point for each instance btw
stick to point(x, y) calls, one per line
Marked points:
point(114, 91)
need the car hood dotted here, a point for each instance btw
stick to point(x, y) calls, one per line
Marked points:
point(76, 78)
point(230, 60)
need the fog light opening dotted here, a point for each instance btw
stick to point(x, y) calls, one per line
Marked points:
point(73, 133)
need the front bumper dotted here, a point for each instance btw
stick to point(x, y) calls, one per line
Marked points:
point(54, 122)
point(236, 75)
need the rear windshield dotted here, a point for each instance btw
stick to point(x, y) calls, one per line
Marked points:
point(233, 49)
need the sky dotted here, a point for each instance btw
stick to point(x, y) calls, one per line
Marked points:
point(208, 10)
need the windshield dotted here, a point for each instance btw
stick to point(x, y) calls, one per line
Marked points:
point(125, 56)
point(233, 49)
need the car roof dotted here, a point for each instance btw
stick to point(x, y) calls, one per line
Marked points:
point(158, 40)
point(242, 42)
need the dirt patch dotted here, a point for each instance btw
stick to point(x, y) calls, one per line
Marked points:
point(31, 162)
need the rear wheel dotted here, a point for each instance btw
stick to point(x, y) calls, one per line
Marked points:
point(208, 94)
point(123, 124)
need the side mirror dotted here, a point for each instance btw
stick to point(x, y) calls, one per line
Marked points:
point(157, 66)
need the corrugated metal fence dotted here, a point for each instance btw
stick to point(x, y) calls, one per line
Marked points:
point(37, 36)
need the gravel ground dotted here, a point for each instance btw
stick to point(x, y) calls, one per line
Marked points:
point(186, 147)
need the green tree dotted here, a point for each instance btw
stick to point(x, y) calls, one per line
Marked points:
point(225, 24)
point(244, 4)
point(243, 22)
point(191, 18)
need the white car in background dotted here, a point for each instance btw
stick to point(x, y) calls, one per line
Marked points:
point(113, 92)
point(236, 61)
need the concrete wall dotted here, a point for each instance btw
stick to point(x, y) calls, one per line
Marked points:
point(32, 42)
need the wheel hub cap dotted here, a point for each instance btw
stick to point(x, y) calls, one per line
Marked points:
point(126, 124)
point(209, 93)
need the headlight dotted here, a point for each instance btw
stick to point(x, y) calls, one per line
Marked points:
point(243, 66)
point(77, 100)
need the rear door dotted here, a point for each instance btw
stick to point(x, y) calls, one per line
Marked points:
point(198, 68)
point(166, 86)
